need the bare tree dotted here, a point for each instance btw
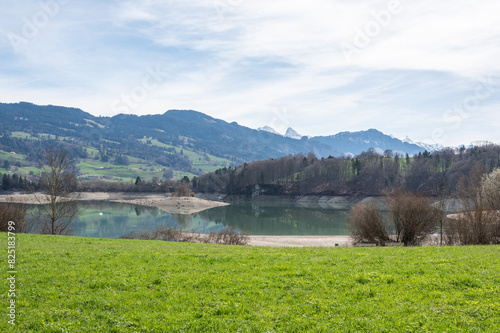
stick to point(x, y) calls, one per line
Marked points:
point(478, 222)
point(367, 224)
point(490, 187)
point(443, 205)
point(15, 212)
point(415, 217)
point(58, 201)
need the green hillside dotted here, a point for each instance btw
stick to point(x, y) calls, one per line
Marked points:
point(96, 165)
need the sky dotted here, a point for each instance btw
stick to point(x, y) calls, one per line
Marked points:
point(425, 69)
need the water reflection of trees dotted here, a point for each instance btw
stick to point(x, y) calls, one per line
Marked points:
point(118, 219)
point(183, 220)
point(122, 218)
point(261, 220)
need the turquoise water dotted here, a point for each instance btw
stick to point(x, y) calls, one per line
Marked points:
point(112, 220)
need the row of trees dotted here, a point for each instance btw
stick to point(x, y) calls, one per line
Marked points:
point(152, 185)
point(12, 181)
point(364, 175)
point(412, 218)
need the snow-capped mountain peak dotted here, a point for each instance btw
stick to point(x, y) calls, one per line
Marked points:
point(291, 133)
point(268, 129)
point(407, 140)
point(427, 146)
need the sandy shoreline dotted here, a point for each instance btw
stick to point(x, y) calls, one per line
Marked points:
point(300, 241)
point(174, 205)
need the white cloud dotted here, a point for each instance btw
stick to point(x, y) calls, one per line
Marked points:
point(242, 60)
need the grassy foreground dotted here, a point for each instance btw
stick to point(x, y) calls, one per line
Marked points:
point(70, 284)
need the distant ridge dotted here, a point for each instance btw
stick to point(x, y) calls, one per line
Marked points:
point(353, 143)
point(191, 129)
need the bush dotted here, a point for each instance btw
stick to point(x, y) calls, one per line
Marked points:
point(162, 233)
point(367, 225)
point(472, 228)
point(414, 216)
point(183, 190)
point(16, 213)
point(227, 236)
point(490, 186)
point(479, 222)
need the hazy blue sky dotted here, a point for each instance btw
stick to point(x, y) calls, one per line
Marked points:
point(426, 69)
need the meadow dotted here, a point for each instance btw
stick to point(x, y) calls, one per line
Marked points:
point(92, 167)
point(72, 284)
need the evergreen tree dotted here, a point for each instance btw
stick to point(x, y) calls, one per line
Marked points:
point(5, 182)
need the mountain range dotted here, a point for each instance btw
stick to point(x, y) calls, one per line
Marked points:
point(353, 143)
point(198, 135)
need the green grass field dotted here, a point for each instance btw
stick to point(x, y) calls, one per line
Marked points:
point(70, 284)
point(24, 169)
point(208, 163)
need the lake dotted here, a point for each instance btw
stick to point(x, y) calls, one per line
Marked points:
point(112, 220)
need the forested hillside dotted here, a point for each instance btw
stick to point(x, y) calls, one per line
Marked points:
point(171, 145)
point(124, 134)
point(174, 144)
point(366, 174)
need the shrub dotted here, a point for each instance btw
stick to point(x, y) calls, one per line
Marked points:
point(414, 216)
point(490, 188)
point(367, 225)
point(478, 223)
point(183, 190)
point(163, 233)
point(227, 236)
point(16, 213)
